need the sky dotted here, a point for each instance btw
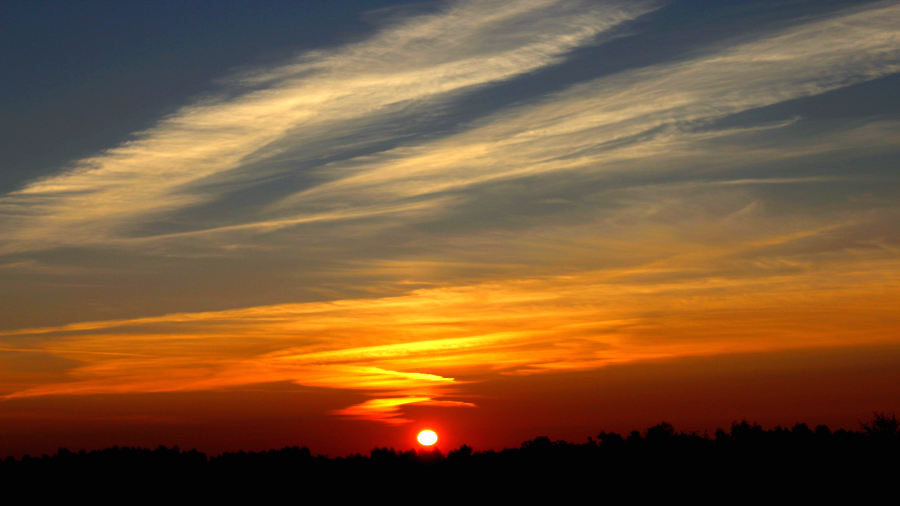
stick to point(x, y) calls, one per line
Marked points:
point(243, 225)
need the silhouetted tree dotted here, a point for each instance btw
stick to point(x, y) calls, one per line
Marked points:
point(661, 433)
point(882, 426)
point(745, 458)
point(610, 439)
point(460, 454)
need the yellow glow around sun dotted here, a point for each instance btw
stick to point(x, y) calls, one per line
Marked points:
point(427, 437)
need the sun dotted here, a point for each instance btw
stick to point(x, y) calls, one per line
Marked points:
point(427, 437)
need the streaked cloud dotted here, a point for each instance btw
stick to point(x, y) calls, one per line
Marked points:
point(388, 410)
point(323, 98)
point(593, 126)
point(518, 327)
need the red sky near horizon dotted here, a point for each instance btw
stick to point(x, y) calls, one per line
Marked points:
point(496, 220)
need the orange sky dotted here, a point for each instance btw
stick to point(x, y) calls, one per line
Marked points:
point(836, 387)
point(465, 360)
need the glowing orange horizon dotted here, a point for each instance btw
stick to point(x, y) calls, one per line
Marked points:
point(408, 350)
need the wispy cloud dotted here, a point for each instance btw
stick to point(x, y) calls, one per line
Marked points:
point(645, 114)
point(389, 410)
point(641, 117)
point(524, 326)
point(406, 69)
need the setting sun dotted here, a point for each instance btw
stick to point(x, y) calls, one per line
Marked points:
point(427, 437)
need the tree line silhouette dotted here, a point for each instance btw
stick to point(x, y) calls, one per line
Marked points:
point(745, 459)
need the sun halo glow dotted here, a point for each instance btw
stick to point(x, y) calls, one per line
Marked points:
point(427, 437)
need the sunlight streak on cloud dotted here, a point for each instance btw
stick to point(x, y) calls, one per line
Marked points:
point(388, 410)
point(525, 326)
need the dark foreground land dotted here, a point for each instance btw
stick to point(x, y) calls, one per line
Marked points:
point(745, 463)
